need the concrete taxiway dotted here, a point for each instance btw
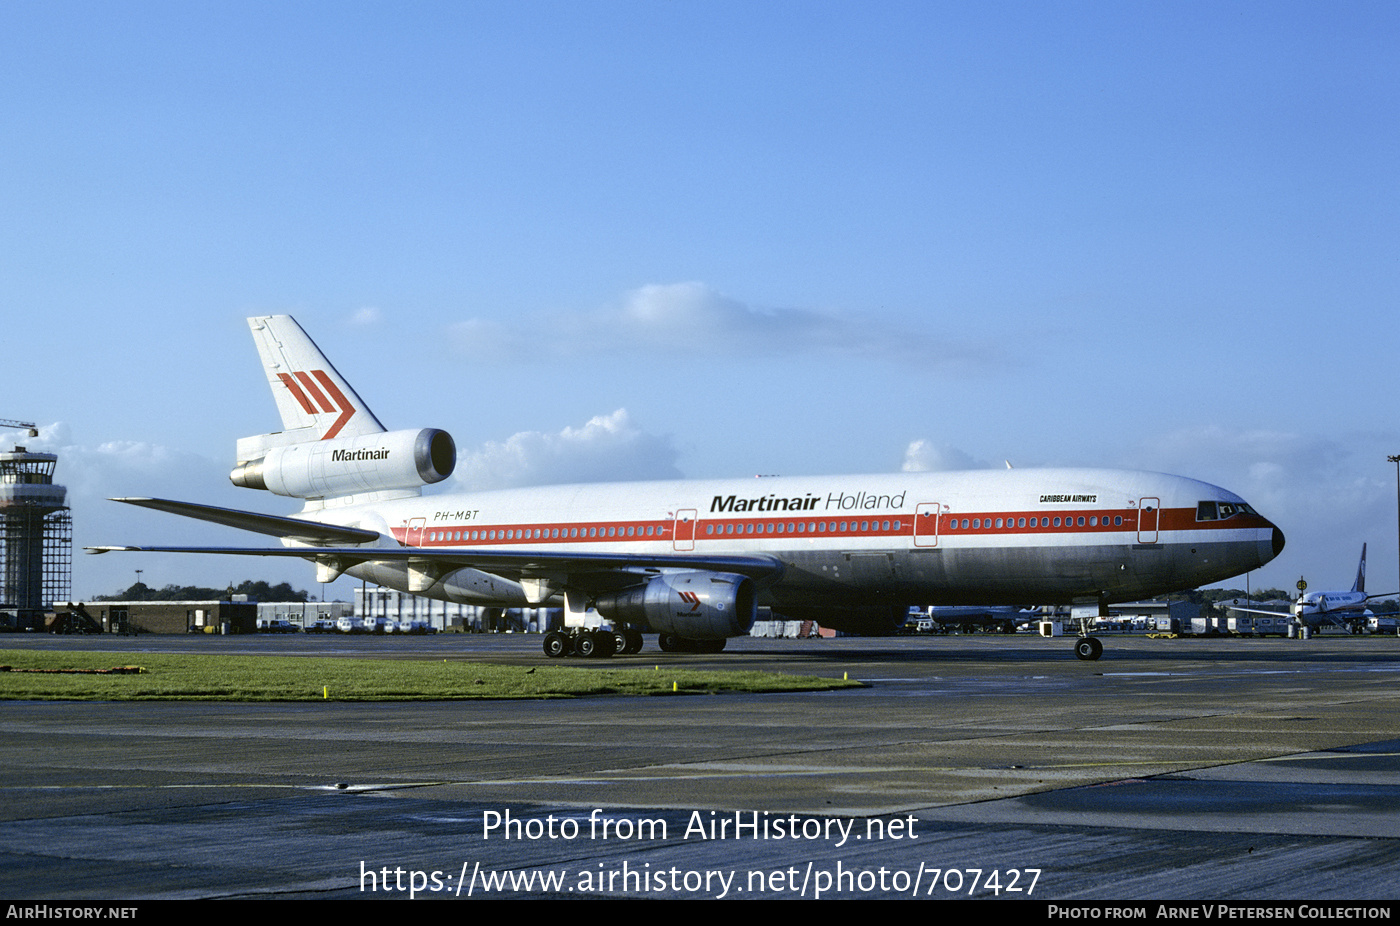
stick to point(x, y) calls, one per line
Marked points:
point(1171, 769)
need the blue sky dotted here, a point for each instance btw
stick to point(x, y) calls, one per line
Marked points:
point(646, 239)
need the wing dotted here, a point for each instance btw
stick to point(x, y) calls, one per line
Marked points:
point(513, 564)
point(326, 545)
point(1259, 611)
point(290, 528)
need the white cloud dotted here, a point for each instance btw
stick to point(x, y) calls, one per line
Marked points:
point(692, 317)
point(607, 448)
point(95, 474)
point(922, 456)
point(367, 315)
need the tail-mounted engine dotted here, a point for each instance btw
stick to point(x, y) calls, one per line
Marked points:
point(389, 460)
point(695, 605)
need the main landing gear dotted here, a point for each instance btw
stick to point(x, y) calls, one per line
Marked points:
point(592, 644)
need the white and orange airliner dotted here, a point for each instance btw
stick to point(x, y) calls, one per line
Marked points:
point(694, 560)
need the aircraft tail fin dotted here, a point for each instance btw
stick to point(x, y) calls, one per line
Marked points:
point(315, 401)
point(1360, 584)
point(332, 446)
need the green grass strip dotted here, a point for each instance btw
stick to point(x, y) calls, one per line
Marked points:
point(196, 677)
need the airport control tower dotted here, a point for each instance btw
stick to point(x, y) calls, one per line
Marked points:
point(36, 537)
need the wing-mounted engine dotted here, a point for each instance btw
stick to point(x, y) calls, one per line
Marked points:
point(385, 461)
point(694, 605)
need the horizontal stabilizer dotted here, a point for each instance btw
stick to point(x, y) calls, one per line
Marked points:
point(290, 528)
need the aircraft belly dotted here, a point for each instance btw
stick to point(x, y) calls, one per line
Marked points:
point(1016, 575)
point(808, 574)
point(972, 575)
point(1216, 561)
point(997, 575)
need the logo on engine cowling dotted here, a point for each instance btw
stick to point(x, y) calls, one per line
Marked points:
point(693, 598)
point(349, 456)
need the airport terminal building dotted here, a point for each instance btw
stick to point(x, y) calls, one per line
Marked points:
point(374, 610)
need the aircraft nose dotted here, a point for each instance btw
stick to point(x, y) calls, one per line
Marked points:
point(1268, 548)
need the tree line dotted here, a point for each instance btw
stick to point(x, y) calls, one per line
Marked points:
point(255, 590)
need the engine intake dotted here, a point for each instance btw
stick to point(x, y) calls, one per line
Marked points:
point(695, 605)
point(350, 465)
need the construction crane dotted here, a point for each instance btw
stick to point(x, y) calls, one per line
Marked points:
point(11, 423)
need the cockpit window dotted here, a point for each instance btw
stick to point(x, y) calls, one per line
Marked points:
point(1219, 511)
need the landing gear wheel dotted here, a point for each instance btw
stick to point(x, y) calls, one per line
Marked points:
point(668, 642)
point(628, 641)
point(594, 644)
point(607, 644)
point(556, 645)
point(1088, 648)
point(586, 645)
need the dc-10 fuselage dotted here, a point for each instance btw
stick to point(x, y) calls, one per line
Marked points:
point(859, 549)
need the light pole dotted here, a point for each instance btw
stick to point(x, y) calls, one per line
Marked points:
point(1396, 461)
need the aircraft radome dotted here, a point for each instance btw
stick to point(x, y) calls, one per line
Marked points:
point(694, 560)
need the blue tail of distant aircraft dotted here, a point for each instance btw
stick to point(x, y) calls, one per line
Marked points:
point(1360, 584)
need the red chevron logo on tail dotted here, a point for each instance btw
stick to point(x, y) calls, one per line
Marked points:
point(319, 395)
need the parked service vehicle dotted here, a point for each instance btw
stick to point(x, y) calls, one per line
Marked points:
point(1258, 625)
point(278, 627)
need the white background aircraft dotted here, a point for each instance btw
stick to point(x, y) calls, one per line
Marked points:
point(693, 560)
point(1344, 609)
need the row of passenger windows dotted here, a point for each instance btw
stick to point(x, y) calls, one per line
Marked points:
point(1003, 523)
point(602, 533)
point(762, 527)
point(803, 527)
point(548, 533)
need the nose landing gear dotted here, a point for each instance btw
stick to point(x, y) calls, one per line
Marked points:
point(1088, 648)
